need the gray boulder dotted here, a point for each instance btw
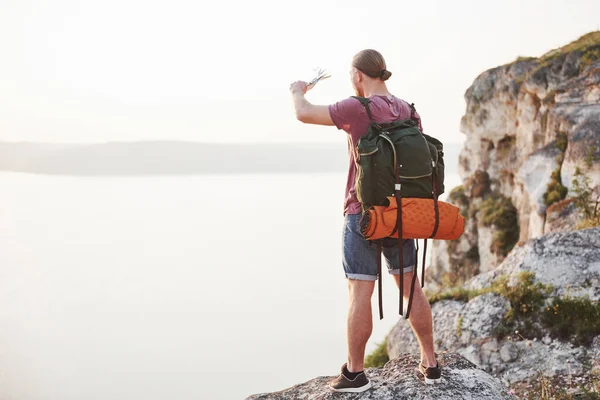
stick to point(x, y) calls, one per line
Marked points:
point(594, 352)
point(536, 359)
point(481, 316)
point(397, 380)
point(569, 261)
point(455, 325)
point(401, 338)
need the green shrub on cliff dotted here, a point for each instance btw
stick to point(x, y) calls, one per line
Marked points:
point(583, 44)
point(526, 299)
point(556, 191)
point(586, 196)
point(562, 141)
point(589, 57)
point(533, 313)
point(575, 319)
point(378, 357)
point(549, 99)
point(457, 293)
point(587, 45)
point(458, 197)
point(498, 212)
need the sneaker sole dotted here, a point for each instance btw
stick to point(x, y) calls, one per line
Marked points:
point(353, 390)
point(428, 381)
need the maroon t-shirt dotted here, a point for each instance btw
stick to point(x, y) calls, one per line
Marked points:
point(349, 115)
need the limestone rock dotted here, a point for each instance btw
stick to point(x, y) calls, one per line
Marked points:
point(562, 216)
point(397, 380)
point(532, 179)
point(488, 260)
point(523, 122)
point(454, 262)
point(439, 265)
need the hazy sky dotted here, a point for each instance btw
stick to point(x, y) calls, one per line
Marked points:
point(124, 70)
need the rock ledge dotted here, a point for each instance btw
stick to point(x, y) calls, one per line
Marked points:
point(397, 380)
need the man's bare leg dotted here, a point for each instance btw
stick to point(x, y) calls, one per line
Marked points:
point(420, 318)
point(360, 322)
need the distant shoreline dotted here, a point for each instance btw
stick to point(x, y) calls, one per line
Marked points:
point(167, 158)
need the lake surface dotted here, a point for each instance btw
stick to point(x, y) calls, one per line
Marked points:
point(201, 287)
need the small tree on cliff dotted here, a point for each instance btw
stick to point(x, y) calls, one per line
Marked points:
point(587, 197)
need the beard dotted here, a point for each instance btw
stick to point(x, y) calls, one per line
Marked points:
point(359, 92)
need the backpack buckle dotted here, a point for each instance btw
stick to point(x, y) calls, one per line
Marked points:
point(397, 186)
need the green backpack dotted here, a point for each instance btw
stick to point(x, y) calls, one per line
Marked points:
point(397, 159)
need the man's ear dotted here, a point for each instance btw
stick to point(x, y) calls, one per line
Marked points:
point(360, 76)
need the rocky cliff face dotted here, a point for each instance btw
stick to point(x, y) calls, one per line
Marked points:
point(529, 125)
point(397, 380)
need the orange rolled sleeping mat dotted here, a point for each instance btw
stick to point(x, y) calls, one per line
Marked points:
point(418, 220)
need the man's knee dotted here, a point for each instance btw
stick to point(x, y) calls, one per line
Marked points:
point(408, 278)
point(360, 289)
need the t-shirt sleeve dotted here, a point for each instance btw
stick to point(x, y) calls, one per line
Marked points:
point(344, 113)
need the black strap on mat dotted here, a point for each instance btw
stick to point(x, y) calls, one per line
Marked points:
point(417, 253)
point(435, 205)
point(423, 266)
point(414, 281)
point(380, 279)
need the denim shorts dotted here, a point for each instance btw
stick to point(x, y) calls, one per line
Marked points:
point(360, 255)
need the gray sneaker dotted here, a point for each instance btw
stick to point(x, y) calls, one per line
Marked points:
point(432, 375)
point(345, 385)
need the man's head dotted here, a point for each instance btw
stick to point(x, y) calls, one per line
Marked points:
point(368, 70)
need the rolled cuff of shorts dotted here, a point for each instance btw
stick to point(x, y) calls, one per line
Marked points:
point(362, 277)
point(397, 270)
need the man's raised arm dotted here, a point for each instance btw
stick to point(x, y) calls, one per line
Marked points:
point(305, 111)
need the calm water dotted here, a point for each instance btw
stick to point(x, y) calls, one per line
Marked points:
point(212, 287)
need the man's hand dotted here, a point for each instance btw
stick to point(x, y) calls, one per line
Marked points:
point(298, 87)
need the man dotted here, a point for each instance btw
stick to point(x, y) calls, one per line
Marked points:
point(368, 75)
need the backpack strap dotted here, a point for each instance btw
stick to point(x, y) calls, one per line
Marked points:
point(400, 241)
point(423, 266)
point(379, 284)
point(435, 229)
point(365, 103)
point(435, 204)
point(414, 280)
point(413, 111)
